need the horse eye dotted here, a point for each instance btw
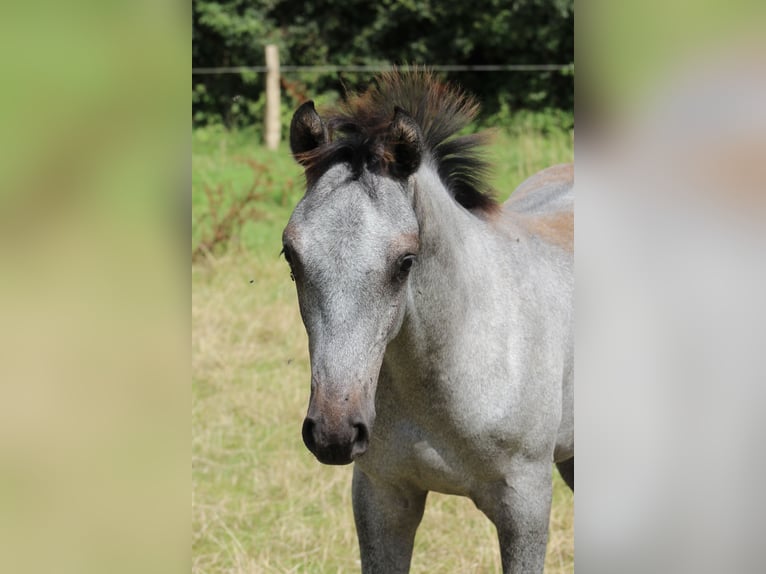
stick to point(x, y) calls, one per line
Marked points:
point(288, 257)
point(287, 252)
point(405, 264)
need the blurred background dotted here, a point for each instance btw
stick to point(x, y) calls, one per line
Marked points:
point(314, 39)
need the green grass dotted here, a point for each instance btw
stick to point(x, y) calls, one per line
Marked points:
point(260, 501)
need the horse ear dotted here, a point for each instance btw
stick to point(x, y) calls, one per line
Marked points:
point(405, 143)
point(307, 130)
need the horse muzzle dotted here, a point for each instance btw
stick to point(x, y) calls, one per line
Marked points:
point(338, 443)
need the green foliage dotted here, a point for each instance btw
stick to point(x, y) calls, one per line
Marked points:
point(356, 32)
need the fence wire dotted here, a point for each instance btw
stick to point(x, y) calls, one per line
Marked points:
point(383, 68)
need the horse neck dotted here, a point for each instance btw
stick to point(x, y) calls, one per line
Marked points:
point(450, 237)
point(449, 276)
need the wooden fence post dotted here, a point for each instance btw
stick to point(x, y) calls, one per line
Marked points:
point(272, 128)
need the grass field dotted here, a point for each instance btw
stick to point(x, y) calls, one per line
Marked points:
point(260, 501)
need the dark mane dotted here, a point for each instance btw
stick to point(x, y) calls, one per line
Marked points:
point(359, 125)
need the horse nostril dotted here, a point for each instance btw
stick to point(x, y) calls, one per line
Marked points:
point(361, 439)
point(308, 434)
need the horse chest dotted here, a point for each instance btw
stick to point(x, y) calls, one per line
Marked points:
point(442, 458)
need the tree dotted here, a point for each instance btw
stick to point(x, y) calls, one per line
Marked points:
point(234, 33)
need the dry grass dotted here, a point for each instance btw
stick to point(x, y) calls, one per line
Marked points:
point(260, 502)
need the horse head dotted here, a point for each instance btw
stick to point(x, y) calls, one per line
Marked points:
point(351, 244)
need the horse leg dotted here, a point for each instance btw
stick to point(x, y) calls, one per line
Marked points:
point(386, 517)
point(520, 509)
point(566, 470)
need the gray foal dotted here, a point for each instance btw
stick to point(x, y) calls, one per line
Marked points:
point(440, 323)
